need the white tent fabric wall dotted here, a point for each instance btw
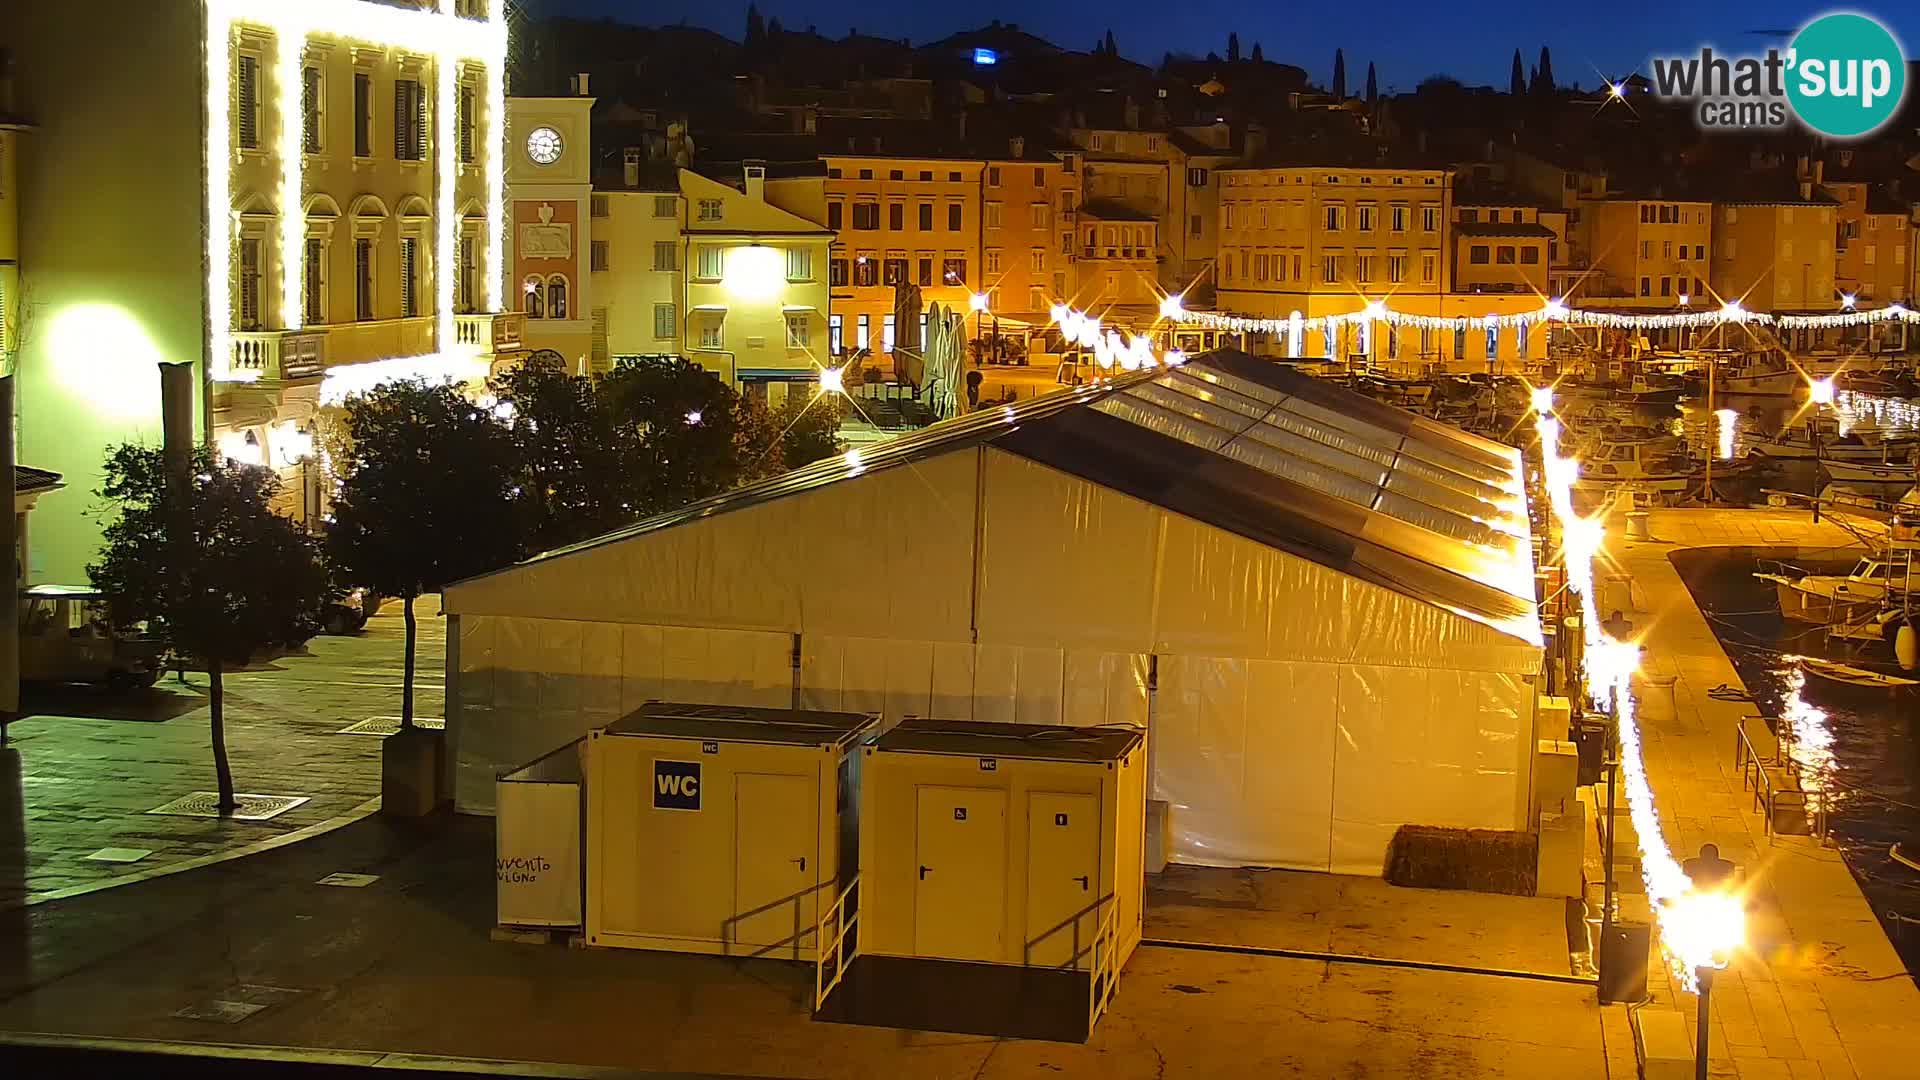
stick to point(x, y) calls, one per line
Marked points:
point(1302, 714)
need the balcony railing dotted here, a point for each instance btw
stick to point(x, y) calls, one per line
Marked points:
point(279, 354)
point(497, 332)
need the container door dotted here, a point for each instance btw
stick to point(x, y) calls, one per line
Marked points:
point(1063, 878)
point(776, 842)
point(959, 904)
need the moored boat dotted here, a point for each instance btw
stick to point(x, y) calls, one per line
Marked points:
point(1858, 678)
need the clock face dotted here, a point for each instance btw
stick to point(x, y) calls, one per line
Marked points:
point(543, 145)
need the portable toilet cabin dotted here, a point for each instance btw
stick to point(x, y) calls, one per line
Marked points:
point(1001, 878)
point(719, 828)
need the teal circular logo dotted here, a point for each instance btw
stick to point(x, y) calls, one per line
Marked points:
point(1845, 75)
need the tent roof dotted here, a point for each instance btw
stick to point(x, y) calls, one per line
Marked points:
point(1258, 450)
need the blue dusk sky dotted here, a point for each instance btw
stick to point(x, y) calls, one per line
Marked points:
point(1407, 40)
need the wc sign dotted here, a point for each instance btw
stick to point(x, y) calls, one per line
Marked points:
point(676, 785)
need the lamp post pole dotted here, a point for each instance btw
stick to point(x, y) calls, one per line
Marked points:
point(1702, 1035)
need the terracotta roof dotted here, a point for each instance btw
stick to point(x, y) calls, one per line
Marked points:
point(1502, 228)
point(26, 478)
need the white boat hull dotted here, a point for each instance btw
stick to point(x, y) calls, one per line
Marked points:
point(1860, 472)
point(1771, 384)
point(1829, 603)
point(1891, 453)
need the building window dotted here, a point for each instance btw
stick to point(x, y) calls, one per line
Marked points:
point(1366, 217)
point(1477, 254)
point(1459, 343)
point(926, 217)
point(953, 217)
point(1336, 217)
point(1646, 286)
point(600, 206)
point(665, 206)
point(1521, 345)
point(363, 279)
point(249, 284)
point(1493, 341)
point(1530, 255)
point(665, 325)
point(953, 271)
point(469, 271)
point(713, 262)
point(797, 330)
point(894, 271)
point(863, 327)
point(1503, 255)
point(1646, 249)
point(598, 256)
point(992, 260)
point(834, 216)
point(836, 272)
point(1397, 218)
point(310, 99)
point(1196, 178)
point(1038, 211)
point(467, 128)
point(866, 215)
point(712, 334)
point(834, 344)
point(312, 281)
point(246, 89)
point(1329, 269)
point(925, 268)
point(799, 264)
point(409, 121)
point(1396, 268)
point(409, 277)
point(896, 216)
point(1037, 260)
point(886, 333)
point(1430, 218)
point(1036, 298)
point(1666, 286)
point(1193, 225)
point(710, 210)
point(663, 255)
point(1429, 265)
point(866, 272)
point(1364, 265)
point(362, 114)
point(993, 176)
point(535, 291)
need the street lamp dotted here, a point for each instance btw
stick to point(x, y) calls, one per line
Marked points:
point(1702, 927)
point(1820, 393)
point(977, 303)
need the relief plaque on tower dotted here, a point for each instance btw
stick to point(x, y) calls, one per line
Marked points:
point(546, 240)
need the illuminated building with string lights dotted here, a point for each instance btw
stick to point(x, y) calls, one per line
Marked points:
point(334, 183)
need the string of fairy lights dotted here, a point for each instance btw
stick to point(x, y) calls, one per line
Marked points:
point(1730, 312)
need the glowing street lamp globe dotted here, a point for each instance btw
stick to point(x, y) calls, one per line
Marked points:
point(833, 380)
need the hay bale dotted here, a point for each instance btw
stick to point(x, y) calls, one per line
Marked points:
point(1475, 860)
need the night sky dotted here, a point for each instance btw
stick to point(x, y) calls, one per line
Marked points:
point(1472, 40)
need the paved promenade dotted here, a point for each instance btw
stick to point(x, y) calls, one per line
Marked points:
point(84, 766)
point(1820, 995)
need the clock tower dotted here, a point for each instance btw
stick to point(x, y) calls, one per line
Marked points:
point(550, 221)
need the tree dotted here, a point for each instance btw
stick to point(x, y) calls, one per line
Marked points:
point(1258, 56)
point(756, 29)
point(1112, 49)
point(679, 421)
point(1517, 84)
point(426, 497)
point(774, 29)
point(578, 474)
point(1373, 87)
point(240, 581)
point(1233, 48)
point(1543, 83)
point(803, 430)
point(1340, 74)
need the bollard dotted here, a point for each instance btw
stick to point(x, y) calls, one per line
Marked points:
point(1637, 525)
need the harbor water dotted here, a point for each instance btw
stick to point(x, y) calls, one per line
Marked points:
point(1862, 747)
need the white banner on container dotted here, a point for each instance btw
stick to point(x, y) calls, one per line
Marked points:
point(537, 853)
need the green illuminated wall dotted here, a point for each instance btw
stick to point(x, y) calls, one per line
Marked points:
point(111, 240)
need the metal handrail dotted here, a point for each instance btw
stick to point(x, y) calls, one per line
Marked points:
point(1103, 975)
point(1756, 772)
point(832, 950)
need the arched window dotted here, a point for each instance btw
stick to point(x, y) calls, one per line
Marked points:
point(536, 302)
point(557, 297)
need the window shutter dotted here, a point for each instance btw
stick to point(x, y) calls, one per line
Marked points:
point(420, 122)
point(402, 120)
point(362, 115)
point(310, 109)
point(247, 86)
point(466, 123)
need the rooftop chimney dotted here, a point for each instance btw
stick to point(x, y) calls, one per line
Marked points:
point(630, 166)
point(1017, 147)
point(756, 181)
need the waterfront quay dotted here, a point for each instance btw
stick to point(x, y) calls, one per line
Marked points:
point(1820, 990)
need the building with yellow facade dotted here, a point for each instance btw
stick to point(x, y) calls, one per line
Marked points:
point(1029, 197)
point(1773, 249)
point(1871, 240)
point(346, 161)
point(1650, 254)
